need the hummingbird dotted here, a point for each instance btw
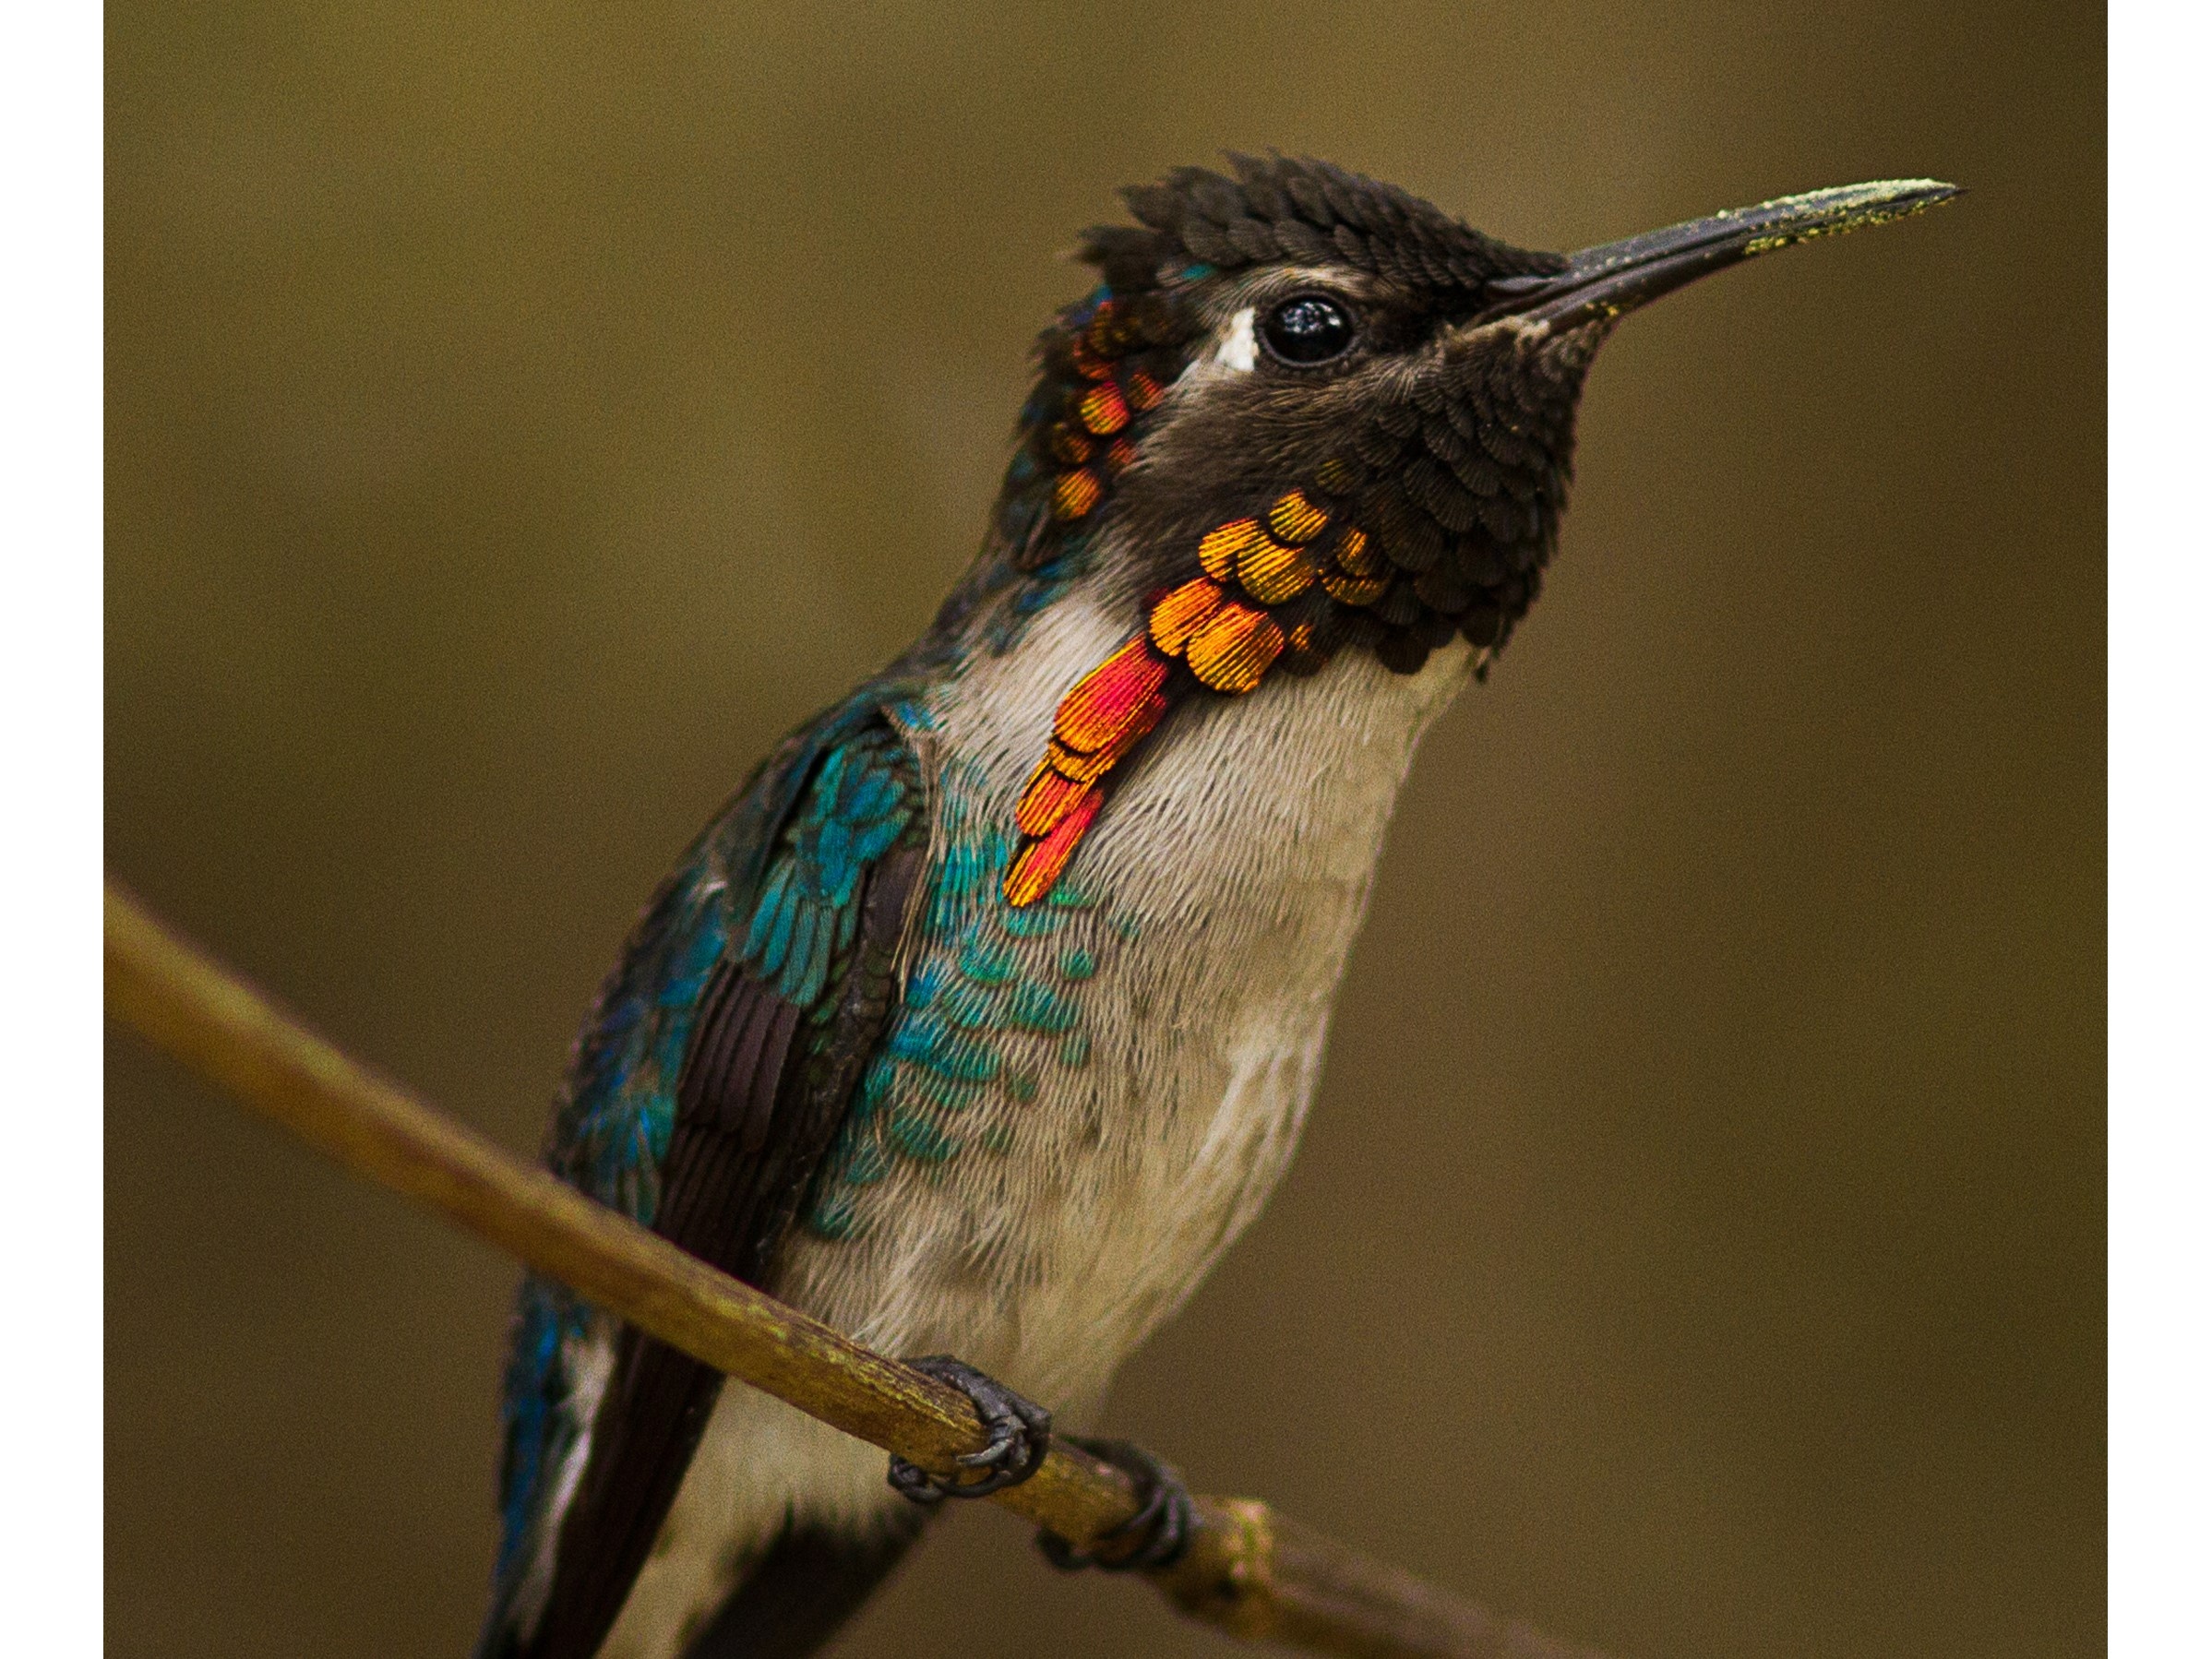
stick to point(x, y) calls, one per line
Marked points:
point(986, 1013)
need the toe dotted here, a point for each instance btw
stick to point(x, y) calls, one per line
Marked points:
point(1019, 1431)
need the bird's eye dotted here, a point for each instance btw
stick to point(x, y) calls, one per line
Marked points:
point(1308, 328)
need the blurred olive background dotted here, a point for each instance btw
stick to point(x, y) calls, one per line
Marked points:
point(517, 416)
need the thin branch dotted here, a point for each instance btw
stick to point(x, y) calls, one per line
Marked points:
point(1249, 1571)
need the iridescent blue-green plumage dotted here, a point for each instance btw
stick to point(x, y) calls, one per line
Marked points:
point(856, 810)
point(768, 903)
point(977, 1020)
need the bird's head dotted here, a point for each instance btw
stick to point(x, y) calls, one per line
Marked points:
point(1304, 413)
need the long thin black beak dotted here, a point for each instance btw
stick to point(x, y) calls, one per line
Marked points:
point(1610, 280)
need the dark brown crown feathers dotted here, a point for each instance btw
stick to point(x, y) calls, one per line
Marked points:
point(1296, 207)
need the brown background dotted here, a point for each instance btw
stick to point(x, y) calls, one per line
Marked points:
point(519, 416)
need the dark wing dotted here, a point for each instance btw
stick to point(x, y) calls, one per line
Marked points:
point(713, 1076)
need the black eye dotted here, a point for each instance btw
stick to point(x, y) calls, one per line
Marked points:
point(1308, 328)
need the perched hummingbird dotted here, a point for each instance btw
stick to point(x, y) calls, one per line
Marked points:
point(986, 1014)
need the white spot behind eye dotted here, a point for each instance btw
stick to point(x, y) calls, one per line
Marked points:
point(1238, 348)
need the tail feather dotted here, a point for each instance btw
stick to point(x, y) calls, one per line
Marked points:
point(804, 1587)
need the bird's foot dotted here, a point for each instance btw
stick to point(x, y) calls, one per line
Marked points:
point(1021, 1431)
point(1155, 1535)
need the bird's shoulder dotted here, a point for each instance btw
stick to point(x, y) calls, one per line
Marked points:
point(771, 891)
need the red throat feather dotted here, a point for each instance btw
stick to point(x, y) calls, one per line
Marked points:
point(1216, 625)
point(1099, 722)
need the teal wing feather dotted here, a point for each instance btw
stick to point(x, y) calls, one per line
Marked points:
point(710, 1078)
